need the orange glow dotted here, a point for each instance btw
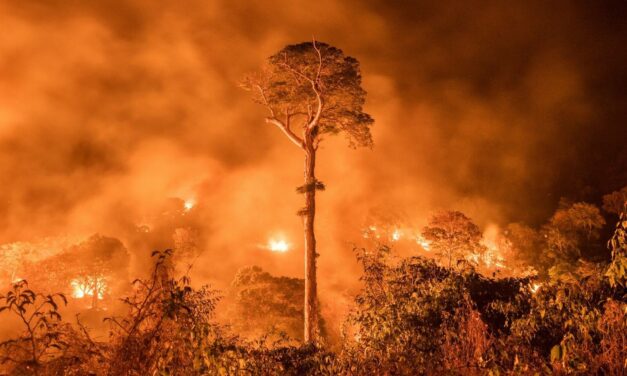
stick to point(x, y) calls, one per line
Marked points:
point(423, 243)
point(280, 245)
point(82, 287)
point(189, 204)
point(495, 247)
point(396, 235)
point(535, 287)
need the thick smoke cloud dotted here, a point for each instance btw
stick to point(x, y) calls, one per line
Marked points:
point(496, 109)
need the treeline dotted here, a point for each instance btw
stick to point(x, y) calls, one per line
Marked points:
point(412, 317)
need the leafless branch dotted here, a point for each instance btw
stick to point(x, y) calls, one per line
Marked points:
point(316, 88)
point(265, 100)
point(288, 132)
point(89, 339)
point(319, 60)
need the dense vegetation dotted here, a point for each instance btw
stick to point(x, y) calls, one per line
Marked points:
point(411, 317)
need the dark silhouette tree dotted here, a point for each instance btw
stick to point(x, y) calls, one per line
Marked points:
point(312, 90)
point(615, 202)
point(571, 230)
point(452, 236)
point(265, 303)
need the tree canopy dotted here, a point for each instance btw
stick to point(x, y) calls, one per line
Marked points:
point(452, 235)
point(316, 85)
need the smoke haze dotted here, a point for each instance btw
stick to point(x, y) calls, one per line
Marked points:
point(110, 108)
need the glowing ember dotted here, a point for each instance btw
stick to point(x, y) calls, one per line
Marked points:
point(82, 287)
point(423, 243)
point(396, 235)
point(371, 232)
point(474, 258)
point(278, 246)
point(535, 287)
point(492, 257)
point(189, 204)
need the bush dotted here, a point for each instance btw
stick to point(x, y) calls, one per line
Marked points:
point(411, 317)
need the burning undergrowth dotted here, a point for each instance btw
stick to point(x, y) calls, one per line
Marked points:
point(411, 315)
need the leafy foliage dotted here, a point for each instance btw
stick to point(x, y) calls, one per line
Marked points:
point(570, 228)
point(264, 303)
point(41, 333)
point(412, 316)
point(166, 324)
point(453, 236)
point(617, 271)
point(416, 317)
point(615, 202)
point(317, 85)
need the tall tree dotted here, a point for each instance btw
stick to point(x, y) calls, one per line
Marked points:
point(571, 230)
point(312, 90)
point(453, 236)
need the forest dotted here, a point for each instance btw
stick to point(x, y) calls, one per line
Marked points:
point(342, 188)
point(413, 314)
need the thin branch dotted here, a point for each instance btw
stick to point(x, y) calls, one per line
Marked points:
point(284, 127)
point(315, 86)
point(265, 100)
point(88, 337)
point(319, 59)
point(113, 320)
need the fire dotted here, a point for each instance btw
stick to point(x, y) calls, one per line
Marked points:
point(280, 245)
point(495, 247)
point(492, 257)
point(423, 243)
point(189, 204)
point(82, 287)
point(474, 258)
point(535, 287)
point(396, 235)
point(371, 232)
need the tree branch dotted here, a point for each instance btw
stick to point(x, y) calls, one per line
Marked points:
point(288, 132)
point(319, 60)
point(316, 118)
point(315, 86)
point(265, 100)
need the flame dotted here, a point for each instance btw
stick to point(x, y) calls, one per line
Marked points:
point(82, 287)
point(396, 235)
point(423, 243)
point(371, 232)
point(535, 287)
point(474, 258)
point(280, 245)
point(492, 257)
point(494, 242)
point(189, 204)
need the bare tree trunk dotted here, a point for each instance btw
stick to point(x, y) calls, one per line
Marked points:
point(311, 311)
